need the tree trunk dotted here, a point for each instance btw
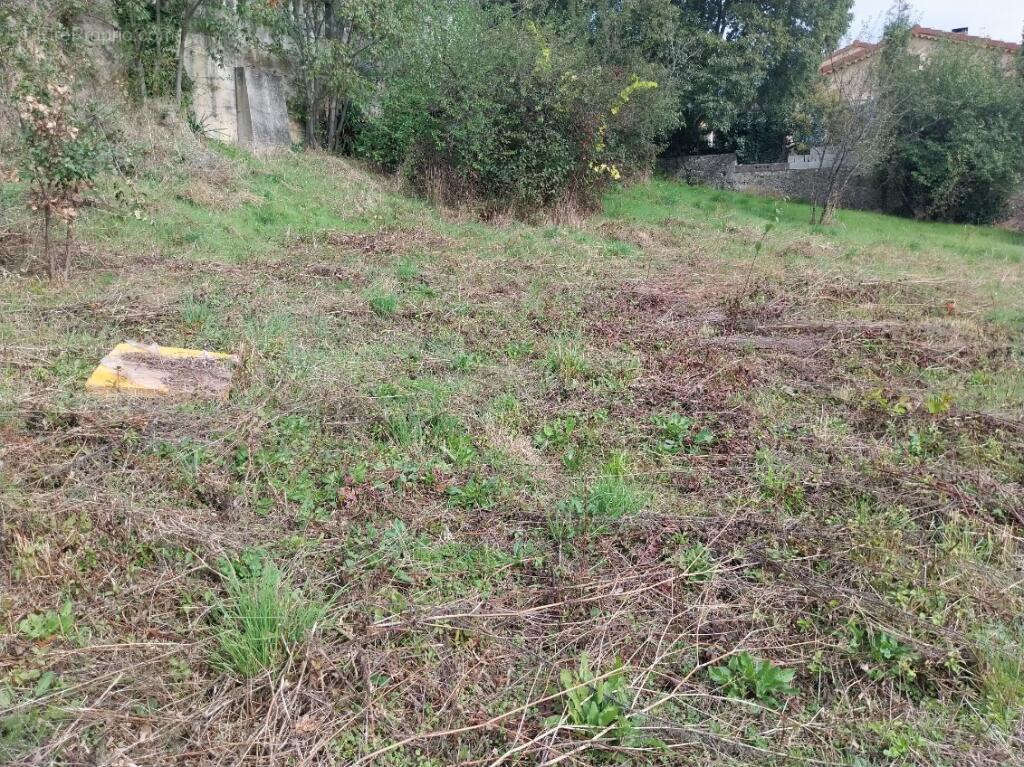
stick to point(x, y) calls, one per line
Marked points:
point(341, 120)
point(140, 68)
point(181, 62)
point(311, 115)
point(50, 256)
point(67, 252)
point(186, 20)
point(332, 125)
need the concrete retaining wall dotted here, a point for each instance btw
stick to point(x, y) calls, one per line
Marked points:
point(239, 98)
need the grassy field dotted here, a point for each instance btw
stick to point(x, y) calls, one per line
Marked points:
point(685, 482)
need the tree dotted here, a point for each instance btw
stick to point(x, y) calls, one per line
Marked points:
point(957, 152)
point(852, 116)
point(336, 47)
point(745, 64)
point(188, 12)
point(482, 106)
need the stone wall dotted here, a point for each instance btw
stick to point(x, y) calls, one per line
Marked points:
point(806, 185)
point(708, 169)
point(794, 180)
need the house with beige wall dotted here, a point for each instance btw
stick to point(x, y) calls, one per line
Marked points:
point(849, 69)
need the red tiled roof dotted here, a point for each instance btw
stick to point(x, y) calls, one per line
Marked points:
point(855, 51)
point(939, 34)
point(858, 49)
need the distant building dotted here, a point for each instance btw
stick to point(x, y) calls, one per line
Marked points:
point(849, 68)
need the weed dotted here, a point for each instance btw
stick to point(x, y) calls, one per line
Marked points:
point(383, 304)
point(459, 449)
point(612, 497)
point(600, 707)
point(555, 434)
point(247, 565)
point(293, 463)
point(747, 677)
point(466, 362)
point(777, 482)
point(924, 442)
point(694, 561)
point(50, 623)
point(475, 493)
point(565, 523)
point(678, 433)
point(567, 361)
point(407, 271)
point(1002, 676)
point(939, 404)
point(515, 350)
point(882, 655)
point(261, 620)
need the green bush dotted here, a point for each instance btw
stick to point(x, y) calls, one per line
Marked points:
point(482, 106)
point(958, 153)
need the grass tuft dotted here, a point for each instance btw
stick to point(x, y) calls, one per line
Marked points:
point(260, 622)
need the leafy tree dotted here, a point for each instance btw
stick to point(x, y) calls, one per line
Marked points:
point(851, 117)
point(957, 153)
point(744, 65)
point(336, 48)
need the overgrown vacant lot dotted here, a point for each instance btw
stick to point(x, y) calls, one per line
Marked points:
point(681, 483)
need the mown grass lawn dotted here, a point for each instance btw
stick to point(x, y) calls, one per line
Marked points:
point(667, 486)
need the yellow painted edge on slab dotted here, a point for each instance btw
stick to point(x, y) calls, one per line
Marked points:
point(105, 379)
point(167, 351)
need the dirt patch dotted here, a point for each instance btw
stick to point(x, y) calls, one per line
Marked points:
point(802, 318)
point(14, 250)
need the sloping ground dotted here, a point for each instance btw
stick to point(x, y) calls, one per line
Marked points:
point(502, 494)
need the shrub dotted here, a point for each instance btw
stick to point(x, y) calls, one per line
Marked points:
point(61, 159)
point(958, 153)
point(58, 144)
point(482, 106)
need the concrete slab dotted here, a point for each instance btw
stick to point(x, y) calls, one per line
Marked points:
point(152, 370)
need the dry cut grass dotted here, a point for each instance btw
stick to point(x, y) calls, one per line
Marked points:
point(626, 492)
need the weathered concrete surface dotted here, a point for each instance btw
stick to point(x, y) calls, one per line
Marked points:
point(151, 370)
point(239, 98)
point(248, 109)
point(261, 108)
